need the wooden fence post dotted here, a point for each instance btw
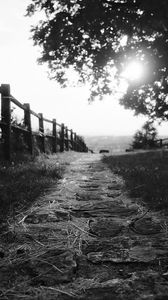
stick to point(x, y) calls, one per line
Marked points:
point(72, 141)
point(80, 144)
point(27, 122)
point(84, 147)
point(75, 142)
point(41, 129)
point(54, 136)
point(62, 137)
point(67, 137)
point(6, 118)
point(160, 143)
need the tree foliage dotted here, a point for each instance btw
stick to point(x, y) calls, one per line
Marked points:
point(86, 36)
point(145, 137)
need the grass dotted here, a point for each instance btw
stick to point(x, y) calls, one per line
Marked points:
point(145, 175)
point(22, 182)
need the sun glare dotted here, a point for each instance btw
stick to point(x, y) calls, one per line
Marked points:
point(133, 71)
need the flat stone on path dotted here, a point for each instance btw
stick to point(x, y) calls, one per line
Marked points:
point(54, 266)
point(147, 226)
point(106, 227)
point(143, 285)
point(37, 217)
point(135, 254)
point(87, 196)
point(104, 209)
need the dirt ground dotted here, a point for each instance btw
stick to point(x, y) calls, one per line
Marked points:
point(85, 239)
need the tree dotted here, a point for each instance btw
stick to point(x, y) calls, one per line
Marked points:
point(145, 137)
point(86, 36)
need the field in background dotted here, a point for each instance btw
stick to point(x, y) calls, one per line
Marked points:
point(116, 144)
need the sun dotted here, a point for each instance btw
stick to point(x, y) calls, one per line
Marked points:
point(133, 71)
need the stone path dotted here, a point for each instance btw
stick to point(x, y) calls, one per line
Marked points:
point(85, 239)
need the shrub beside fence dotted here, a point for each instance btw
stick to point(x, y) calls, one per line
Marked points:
point(59, 139)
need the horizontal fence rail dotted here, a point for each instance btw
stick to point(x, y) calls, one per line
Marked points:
point(161, 142)
point(61, 138)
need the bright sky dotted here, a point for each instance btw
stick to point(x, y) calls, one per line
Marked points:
point(29, 83)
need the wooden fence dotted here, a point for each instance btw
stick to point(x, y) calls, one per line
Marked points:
point(161, 142)
point(61, 137)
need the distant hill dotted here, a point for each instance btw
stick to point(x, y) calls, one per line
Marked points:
point(111, 143)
